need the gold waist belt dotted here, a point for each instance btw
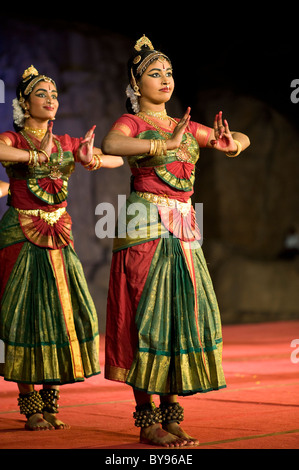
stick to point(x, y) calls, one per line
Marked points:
point(50, 217)
point(183, 207)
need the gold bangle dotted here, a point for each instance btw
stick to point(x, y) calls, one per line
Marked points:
point(86, 165)
point(99, 162)
point(36, 158)
point(94, 164)
point(164, 147)
point(152, 146)
point(33, 158)
point(157, 147)
point(45, 153)
point(30, 158)
point(237, 152)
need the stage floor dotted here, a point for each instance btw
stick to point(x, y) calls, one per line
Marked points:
point(259, 409)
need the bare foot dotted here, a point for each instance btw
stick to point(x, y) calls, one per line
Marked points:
point(176, 430)
point(56, 423)
point(155, 435)
point(36, 422)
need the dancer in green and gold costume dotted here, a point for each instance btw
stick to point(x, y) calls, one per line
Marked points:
point(48, 321)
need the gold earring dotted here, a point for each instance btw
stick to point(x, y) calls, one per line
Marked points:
point(134, 85)
point(136, 90)
point(27, 114)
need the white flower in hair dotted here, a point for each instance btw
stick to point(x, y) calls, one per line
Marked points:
point(18, 113)
point(133, 98)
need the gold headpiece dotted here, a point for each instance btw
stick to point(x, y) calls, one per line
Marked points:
point(144, 41)
point(30, 71)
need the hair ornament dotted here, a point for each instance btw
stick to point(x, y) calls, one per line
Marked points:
point(137, 59)
point(133, 98)
point(28, 72)
point(18, 113)
point(143, 42)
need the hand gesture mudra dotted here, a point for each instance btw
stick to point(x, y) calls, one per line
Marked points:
point(47, 143)
point(223, 138)
point(85, 150)
point(180, 129)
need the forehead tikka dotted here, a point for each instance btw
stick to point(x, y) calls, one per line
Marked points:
point(162, 59)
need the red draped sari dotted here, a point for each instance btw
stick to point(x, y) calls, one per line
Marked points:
point(163, 333)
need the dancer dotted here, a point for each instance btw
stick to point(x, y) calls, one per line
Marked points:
point(48, 321)
point(163, 333)
point(3, 188)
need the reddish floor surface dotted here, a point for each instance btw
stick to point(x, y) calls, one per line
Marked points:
point(259, 409)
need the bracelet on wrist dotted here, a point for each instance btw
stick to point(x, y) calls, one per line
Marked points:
point(94, 164)
point(33, 158)
point(236, 152)
point(44, 153)
point(157, 147)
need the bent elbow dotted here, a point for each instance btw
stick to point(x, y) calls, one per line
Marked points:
point(107, 146)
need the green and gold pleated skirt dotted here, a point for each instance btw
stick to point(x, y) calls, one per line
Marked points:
point(164, 331)
point(48, 321)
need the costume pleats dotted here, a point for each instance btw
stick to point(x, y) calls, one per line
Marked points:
point(48, 321)
point(177, 345)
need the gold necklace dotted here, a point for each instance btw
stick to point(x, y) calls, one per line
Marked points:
point(39, 133)
point(157, 114)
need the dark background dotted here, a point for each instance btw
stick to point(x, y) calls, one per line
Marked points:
point(237, 58)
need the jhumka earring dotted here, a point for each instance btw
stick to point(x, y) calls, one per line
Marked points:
point(27, 114)
point(136, 90)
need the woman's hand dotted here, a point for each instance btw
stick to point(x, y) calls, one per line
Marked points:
point(46, 144)
point(223, 138)
point(179, 131)
point(85, 150)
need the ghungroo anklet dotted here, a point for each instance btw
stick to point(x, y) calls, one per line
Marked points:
point(146, 415)
point(171, 412)
point(50, 398)
point(30, 403)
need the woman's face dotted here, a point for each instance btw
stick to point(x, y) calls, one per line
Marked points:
point(156, 84)
point(43, 101)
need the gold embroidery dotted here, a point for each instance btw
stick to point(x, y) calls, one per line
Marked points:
point(50, 217)
point(64, 295)
point(123, 128)
point(116, 373)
